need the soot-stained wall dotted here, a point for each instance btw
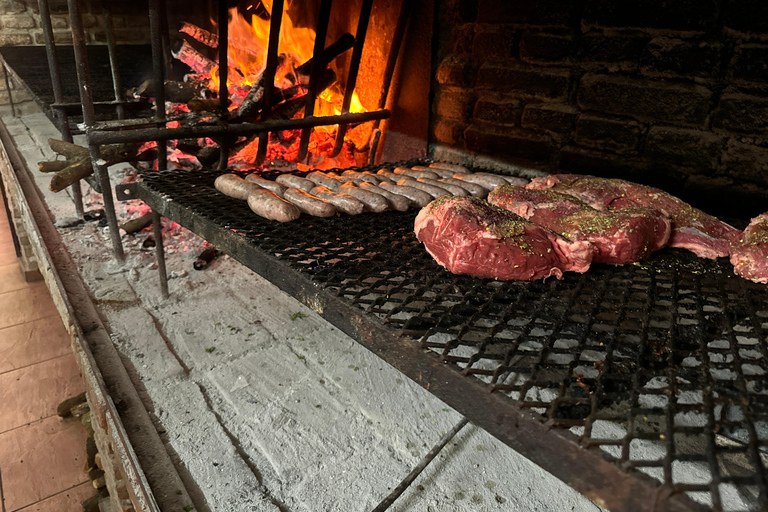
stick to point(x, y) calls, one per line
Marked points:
point(672, 93)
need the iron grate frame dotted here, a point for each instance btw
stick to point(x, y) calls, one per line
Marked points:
point(643, 386)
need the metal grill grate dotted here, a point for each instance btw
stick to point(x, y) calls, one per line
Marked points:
point(660, 366)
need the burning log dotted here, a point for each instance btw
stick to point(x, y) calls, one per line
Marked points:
point(203, 105)
point(200, 34)
point(78, 161)
point(253, 101)
point(175, 92)
point(194, 59)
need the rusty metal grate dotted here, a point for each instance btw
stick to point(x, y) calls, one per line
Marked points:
point(660, 367)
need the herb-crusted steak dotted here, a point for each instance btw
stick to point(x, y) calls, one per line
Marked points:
point(623, 235)
point(749, 254)
point(470, 236)
point(692, 229)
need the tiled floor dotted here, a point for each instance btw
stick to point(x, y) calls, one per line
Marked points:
point(41, 456)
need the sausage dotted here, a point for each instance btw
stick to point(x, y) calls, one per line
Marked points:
point(343, 202)
point(373, 202)
point(512, 180)
point(427, 172)
point(360, 176)
point(324, 180)
point(386, 173)
point(473, 188)
point(453, 189)
point(406, 171)
point(443, 173)
point(378, 177)
point(277, 188)
point(234, 186)
point(289, 180)
point(417, 198)
point(309, 204)
point(267, 204)
point(485, 180)
point(398, 203)
point(429, 189)
point(450, 167)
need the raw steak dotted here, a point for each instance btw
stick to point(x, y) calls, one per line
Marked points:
point(467, 235)
point(623, 235)
point(749, 253)
point(692, 229)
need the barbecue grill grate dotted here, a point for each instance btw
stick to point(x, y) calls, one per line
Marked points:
point(662, 365)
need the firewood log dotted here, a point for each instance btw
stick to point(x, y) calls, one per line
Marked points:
point(78, 160)
point(175, 92)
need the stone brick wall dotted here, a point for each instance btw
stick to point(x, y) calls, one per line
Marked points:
point(672, 93)
point(20, 22)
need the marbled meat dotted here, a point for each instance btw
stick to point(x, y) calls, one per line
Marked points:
point(692, 229)
point(470, 236)
point(749, 253)
point(622, 235)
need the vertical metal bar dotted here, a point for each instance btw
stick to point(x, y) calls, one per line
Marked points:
point(223, 20)
point(354, 67)
point(117, 83)
point(389, 71)
point(157, 230)
point(165, 36)
point(269, 73)
point(89, 118)
point(58, 94)
point(8, 88)
point(318, 64)
point(158, 68)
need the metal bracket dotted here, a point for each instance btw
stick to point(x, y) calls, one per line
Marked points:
point(126, 191)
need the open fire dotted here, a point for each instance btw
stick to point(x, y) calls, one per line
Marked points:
point(247, 49)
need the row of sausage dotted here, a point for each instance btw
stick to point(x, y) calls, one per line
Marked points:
point(323, 194)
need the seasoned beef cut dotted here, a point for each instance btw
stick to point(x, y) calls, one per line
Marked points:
point(692, 229)
point(623, 235)
point(467, 235)
point(749, 253)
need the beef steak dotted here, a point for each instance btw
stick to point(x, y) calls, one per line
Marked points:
point(749, 253)
point(623, 235)
point(470, 236)
point(692, 229)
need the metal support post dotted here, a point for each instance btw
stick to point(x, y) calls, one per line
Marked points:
point(158, 67)
point(157, 230)
point(8, 88)
point(58, 95)
point(117, 83)
point(89, 117)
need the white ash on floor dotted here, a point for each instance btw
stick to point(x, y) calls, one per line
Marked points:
point(269, 407)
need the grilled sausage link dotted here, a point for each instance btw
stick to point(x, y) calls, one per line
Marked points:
point(343, 202)
point(473, 188)
point(485, 180)
point(453, 189)
point(267, 204)
point(373, 202)
point(324, 180)
point(432, 190)
point(398, 203)
point(415, 174)
point(417, 198)
point(234, 186)
point(309, 204)
point(289, 180)
point(275, 187)
point(450, 167)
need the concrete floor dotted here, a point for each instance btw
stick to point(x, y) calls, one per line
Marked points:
point(41, 456)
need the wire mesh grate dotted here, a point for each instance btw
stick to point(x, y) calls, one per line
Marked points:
point(660, 365)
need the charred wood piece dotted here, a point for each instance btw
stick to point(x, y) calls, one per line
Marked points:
point(199, 63)
point(205, 258)
point(341, 45)
point(79, 163)
point(200, 34)
point(137, 224)
point(175, 92)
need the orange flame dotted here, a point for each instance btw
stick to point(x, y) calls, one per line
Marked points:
point(247, 50)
